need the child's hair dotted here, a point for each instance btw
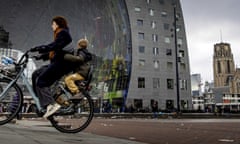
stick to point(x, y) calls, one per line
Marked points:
point(83, 43)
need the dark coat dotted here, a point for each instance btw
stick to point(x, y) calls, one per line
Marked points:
point(61, 45)
point(80, 61)
point(58, 66)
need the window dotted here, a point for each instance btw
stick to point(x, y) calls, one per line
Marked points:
point(178, 28)
point(141, 62)
point(141, 82)
point(179, 41)
point(137, 9)
point(141, 36)
point(164, 14)
point(155, 51)
point(178, 15)
point(228, 66)
point(153, 24)
point(219, 66)
point(156, 83)
point(156, 64)
point(181, 53)
point(168, 52)
point(170, 83)
point(166, 26)
point(154, 37)
point(151, 12)
point(184, 104)
point(183, 84)
point(141, 49)
point(183, 66)
point(169, 65)
point(140, 22)
point(167, 40)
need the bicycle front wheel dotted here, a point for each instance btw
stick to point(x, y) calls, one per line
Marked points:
point(11, 102)
point(76, 117)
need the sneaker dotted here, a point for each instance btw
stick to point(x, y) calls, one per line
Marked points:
point(51, 109)
point(77, 96)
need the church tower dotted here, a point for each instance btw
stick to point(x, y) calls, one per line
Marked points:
point(223, 64)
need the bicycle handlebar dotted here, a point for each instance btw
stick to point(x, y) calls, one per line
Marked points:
point(23, 59)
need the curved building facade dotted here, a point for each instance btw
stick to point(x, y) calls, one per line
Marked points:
point(133, 42)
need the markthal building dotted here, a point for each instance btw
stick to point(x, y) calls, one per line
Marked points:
point(139, 46)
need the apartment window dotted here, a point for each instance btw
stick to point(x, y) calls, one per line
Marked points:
point(141, 36)
point(183, 84)
point(179, 41)
point(155, 51)
point(164, 14)
point(168, 52)
point(141, 62)
point(170, 83)
point(141, 49)
point(169, 65)
point(167, 40)
point(137, 9)
point(181, 53)
point(178, 15)
point(141, 82)
point(153, 24)
point(151, 12)
point(140, 22)
point(156, 83)
point(156, 64)
point(154, 37)
point(166, 26)
point(183, 66)
point(179, 27)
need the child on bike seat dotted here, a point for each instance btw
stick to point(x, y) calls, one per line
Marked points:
point(80, 59)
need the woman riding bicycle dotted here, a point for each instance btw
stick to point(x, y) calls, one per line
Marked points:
point(45, 76)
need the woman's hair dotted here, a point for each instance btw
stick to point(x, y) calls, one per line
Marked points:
point(60, 21)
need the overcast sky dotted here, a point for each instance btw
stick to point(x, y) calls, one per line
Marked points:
point(205, 21)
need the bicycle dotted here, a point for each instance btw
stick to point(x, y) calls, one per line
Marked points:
point(73, 117)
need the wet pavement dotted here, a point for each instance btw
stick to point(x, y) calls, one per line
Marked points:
point(126, 131)
point(41, 132)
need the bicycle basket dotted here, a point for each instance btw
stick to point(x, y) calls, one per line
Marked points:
point(7, 66)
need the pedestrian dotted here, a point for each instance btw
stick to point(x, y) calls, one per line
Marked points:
point(155, 108)
point(80, 61)
point(45, 76)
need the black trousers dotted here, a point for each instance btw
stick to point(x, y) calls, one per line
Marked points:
point(45, 76)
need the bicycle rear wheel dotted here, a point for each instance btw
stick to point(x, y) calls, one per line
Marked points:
point(11, 102)
point(76, 118)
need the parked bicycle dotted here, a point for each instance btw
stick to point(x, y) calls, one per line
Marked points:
point(75, 114)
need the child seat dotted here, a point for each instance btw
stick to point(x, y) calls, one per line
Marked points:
point(85, 83)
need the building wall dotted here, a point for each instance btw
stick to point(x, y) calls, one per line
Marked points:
point(142, 62)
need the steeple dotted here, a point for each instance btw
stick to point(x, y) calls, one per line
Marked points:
point(223, 64)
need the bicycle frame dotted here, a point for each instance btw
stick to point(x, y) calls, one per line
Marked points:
point(25, 81)
point(29, 87)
